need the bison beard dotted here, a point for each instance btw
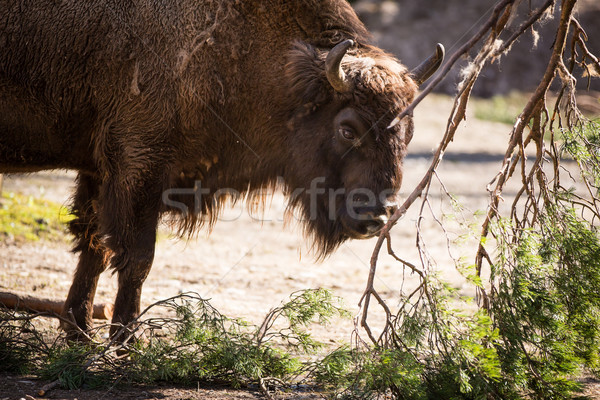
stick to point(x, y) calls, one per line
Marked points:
point(148, 100)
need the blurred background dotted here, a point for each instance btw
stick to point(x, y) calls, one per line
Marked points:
point(410, 30)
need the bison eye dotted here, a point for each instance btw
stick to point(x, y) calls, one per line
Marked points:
point(347, 134)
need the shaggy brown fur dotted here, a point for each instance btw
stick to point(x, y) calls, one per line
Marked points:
point(145, 98)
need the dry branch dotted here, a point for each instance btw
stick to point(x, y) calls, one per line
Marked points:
point(493, 26)
point(536, 103)
point(35, 304)
point(491, 41)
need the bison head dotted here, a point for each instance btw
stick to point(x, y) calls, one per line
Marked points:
point(345, 164)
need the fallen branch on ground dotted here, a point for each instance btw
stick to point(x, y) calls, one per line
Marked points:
point(36, 304)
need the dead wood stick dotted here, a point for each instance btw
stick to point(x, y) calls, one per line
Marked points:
point(29, 303)
point(46, 388)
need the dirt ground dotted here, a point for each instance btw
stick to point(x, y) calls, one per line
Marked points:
point(250, 263)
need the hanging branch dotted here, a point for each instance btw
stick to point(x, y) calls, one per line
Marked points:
point(537, 102)
point(528, 129)
point(494, 25)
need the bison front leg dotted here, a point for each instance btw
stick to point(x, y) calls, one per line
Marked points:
point(79, 304)
point(130, 206)
point(133, 266)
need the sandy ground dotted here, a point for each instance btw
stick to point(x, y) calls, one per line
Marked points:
point(250, 263)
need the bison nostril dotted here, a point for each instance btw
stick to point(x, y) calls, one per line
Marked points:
point(366, 213)
point(362, 199)
point(373, 213)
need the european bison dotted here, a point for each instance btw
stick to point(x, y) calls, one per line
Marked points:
point(160, 105)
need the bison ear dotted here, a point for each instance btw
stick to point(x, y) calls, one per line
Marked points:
point(305, 74)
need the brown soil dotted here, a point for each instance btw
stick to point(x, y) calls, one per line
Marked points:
point(248, 264)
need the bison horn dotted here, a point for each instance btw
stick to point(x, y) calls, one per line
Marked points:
point(428, 67)
point(333, 67)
